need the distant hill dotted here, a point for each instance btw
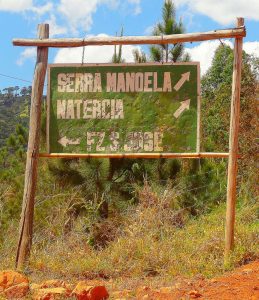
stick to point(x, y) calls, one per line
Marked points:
point(14, 109)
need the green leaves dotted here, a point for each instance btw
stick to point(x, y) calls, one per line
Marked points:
point(168, 25)
point(156, 53)
point(216, 92)
point(117, 56)
point(219, 73)
point(176, 51)
point(139, 56)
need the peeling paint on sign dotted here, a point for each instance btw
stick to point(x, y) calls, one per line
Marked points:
point(123, 108)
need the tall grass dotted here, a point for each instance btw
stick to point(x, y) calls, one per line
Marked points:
point(150, 241)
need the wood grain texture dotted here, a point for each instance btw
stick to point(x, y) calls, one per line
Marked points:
point(26, 222)
point(135, 155)
point(133, 40)
point(198, 143)
point(233, 144)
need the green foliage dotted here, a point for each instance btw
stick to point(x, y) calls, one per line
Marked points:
point(150, 239)
point(169, 25)
point(117, 56)
point(139, 56)
point(203, 185)
point(14, 109)
point(11, 141)
point(139, 215)
point(216, 91)
point(220, 72)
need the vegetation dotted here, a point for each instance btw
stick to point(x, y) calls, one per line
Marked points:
point(169, 25)
point(117, 56)
point(148, 242)
point(139, 56)
point(14, 109)
point(137, 219)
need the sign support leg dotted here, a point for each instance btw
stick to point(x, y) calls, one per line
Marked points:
point(26, 221)
point(233, 144)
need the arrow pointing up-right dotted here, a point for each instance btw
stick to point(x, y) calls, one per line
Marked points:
point(185, 105)
point(184, 77)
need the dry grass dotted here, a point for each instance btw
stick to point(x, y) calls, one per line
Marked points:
point(153, 243)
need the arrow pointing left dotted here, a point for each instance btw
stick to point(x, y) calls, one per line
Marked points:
point(64, 141)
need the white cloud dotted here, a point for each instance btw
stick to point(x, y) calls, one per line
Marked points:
point(67, 15)
point(93, 54)
point(224, 12)
point(14, 5)
point(137, 10)
point(42, 10)
point(252, 48)
point(25, 5)
point(78, 13)
point(149, 30)
point(54, 28)
point(204, 52)
point(28, 53)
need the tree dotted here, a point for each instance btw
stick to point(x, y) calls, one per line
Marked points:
point(216, 97)
point(23, 91)
point(255, 65)
point(11, 141)
point(3, 156)
point(16, 89)
point(117, 56)
point(29, 90)
point(9, 91)
point(139, 56)
point(169, 25)
point(219, 73)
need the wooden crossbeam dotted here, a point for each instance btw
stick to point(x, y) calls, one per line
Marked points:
point(134, 40)
point(135, 155)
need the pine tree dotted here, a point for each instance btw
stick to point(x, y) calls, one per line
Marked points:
point(117, 56)
point(139, 56)
point(168, 26)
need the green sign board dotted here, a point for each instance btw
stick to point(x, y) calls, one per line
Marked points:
point(123, 108)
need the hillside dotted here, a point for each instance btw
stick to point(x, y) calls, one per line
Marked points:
point(14, 109)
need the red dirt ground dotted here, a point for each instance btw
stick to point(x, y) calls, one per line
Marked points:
point(241, 284)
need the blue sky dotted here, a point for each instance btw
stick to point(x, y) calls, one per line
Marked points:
point(80, 18)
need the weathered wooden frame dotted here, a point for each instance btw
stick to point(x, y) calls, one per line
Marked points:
point(237, 32)
point(42, 44)
point(129, 155)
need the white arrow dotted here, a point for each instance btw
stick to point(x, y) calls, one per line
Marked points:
point(64, 141)
point(185, 77)
point(184, 106)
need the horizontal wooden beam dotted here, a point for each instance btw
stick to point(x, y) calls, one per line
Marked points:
point(135, 155)
point(133, 40)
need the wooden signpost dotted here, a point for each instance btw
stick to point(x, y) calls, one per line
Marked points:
point(123, 108)
point(145, 110)
point(233, 143)
point(26, 222)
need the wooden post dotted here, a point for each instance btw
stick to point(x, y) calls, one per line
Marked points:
point(26, 222)
point(233, 144)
